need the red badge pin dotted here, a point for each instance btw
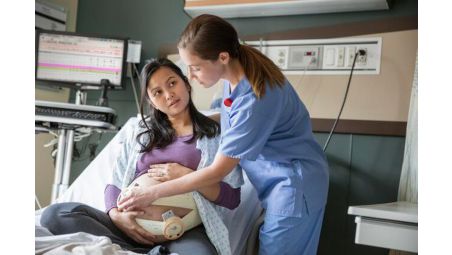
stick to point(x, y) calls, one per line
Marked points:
point(228, 102)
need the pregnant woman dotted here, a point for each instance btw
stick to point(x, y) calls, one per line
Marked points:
point(173, 140)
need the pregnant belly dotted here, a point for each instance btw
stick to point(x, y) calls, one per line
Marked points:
point(154, 212)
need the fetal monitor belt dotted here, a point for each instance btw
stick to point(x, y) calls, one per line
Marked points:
point(172, 226)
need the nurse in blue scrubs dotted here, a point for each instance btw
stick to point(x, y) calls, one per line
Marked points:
point(266, 130)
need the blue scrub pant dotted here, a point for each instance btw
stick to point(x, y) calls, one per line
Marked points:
point(291, 235)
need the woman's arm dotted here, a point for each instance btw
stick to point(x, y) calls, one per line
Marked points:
point(141, 197)
point(228, 197)
point(111, 194)
point(126, 141)
point(171, 171)
point(221, 194)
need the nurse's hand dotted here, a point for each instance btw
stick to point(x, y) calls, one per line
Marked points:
point(127, 223)
point(137, 198)
point(167, 172)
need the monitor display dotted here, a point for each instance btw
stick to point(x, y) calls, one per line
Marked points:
point(77, 59)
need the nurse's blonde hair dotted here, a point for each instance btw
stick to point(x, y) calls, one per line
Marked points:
point(207, 36)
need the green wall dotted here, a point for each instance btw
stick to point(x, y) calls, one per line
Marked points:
point(363, 169)
point(156, 22)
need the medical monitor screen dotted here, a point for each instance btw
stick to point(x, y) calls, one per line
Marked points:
point(76, 59)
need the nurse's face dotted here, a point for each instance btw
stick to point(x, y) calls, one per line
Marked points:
point(206, 72)
point(168, 92)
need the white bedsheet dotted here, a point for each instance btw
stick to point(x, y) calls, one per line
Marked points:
point(77, 243)
point(89, 188)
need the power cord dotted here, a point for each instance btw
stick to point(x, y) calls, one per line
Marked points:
point(79, 135)
point(93, 147)
point(358, 53)
point(37, 202)
point(132, 66)
point(89, 145)
point(303, 74)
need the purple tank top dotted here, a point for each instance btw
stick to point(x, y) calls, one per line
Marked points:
point(179, 151)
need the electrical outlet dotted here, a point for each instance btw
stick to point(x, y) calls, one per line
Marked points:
point(341, 57)
point(313, 62)
point(361, 60)
point(281, 58)
point(351, 55)
point(330, 57)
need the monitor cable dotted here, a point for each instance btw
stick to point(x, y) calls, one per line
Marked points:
point(135, 68)
point(132, 80)
point(358, 53)
point(37, 202)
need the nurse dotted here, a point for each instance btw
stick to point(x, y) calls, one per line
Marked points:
point(266, 130)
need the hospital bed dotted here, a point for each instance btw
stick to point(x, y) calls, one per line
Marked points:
point(89, 188)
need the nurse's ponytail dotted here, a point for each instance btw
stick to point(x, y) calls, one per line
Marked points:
point(207, 36)
point(259, 69)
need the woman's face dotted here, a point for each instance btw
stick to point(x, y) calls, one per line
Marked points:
point(206, 72)
point(168, 92)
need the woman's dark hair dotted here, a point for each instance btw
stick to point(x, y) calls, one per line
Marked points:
point(159, 130)
point(207, 36)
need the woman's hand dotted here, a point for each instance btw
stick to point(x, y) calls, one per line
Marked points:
point(137, 198)
point(167, 172)
point(127, 223)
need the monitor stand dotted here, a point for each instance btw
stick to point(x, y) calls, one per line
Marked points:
point(65, 147)
point(103, 99)
point(80, 96)
point(63, 161)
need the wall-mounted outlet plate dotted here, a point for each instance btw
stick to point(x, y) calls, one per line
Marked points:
point(323, 56)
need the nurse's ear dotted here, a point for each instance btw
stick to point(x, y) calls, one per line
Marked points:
point(224, 57)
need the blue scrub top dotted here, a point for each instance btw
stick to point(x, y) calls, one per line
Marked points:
point(272, 137)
